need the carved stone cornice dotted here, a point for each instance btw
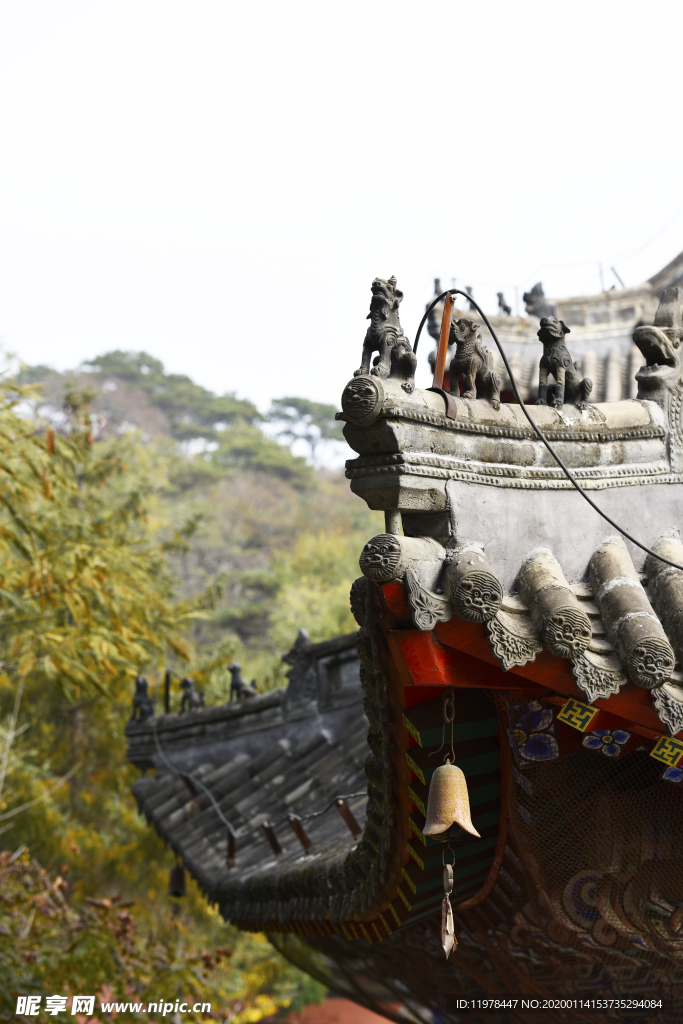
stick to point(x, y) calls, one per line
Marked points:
point(668, 700)
point(599, 676)
point(428, 607)
point(497, 475)
point(601, 433)
point(513, 640)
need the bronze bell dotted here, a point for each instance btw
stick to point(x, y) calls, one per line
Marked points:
point(176, 881)
point(448, 802)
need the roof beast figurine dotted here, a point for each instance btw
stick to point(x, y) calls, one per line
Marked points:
point(557, 361)
point(474, 361)
point(385, 336)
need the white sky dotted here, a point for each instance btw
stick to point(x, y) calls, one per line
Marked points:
point(218, 182)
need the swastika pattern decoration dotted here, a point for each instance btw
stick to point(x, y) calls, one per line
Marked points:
point(668, 750)
point(576, 714)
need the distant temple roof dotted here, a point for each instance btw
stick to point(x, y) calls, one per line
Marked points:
point(285, 753)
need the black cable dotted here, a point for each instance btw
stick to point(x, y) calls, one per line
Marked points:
point(315, 814)
point(570, 476)
point(194, 779)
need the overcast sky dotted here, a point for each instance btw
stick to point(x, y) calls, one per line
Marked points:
point(218, 183)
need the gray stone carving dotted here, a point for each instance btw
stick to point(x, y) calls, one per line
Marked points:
point(380, 559)
point(427, 606)
point(387, 556)
point(629, 619)
point(192, 698)
point(302, 690)
point(143, 706)
point(385, 336)
point(665, 588)
point(362, 399)
point(668, 701)
point(661, 379)
point(358, 599)
point(563, 626)
point(457, 484)
point(513, 640)
point(557, 361)
point(471, 585)
point(473, 361)
point(239, 687)
point(536, 303)
point(599, 676)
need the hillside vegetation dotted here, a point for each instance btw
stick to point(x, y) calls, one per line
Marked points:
point(145, 523)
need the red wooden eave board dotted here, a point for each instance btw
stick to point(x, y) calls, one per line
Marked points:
point(458, 653)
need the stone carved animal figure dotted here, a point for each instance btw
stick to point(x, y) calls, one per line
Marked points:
point(505, 310)
point(143, 708)
point(536, 303)
point(239, 688)
point(556, 360)
point(385, 336)
point(192, 697)
point(474, 361)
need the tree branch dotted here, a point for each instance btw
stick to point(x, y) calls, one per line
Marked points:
point(44, 796)
point(11, 733)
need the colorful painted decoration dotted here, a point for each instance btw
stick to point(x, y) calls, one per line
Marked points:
point(577, 714)
point(578, 898)
point(532, 736)
point(606, 741)
point(668, 750)
point(540, 746)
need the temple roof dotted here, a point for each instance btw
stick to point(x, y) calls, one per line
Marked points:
point(506, 628)
point(263, 760)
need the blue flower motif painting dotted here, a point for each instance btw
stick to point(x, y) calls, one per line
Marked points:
point(532, 735)
point(608, 742)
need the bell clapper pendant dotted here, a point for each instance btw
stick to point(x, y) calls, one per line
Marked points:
point(448, 939)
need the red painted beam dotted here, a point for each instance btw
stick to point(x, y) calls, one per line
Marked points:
point(458, 653)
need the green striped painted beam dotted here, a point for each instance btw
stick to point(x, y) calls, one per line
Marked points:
point(426, 727)
point(424, 881)
point(432, 860)
point(419, 793)
point(420, 763)
point(417, 902)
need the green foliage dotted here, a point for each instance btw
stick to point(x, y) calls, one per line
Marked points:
point(86, 602)
point(302, 419)
point(120, 556)
point(84, 593)
point(48, 946)
point(245, 447)
point(192, 410)
point(284, 559)
point(314, 579)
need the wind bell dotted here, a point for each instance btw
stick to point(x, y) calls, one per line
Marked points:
point(448, 802)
